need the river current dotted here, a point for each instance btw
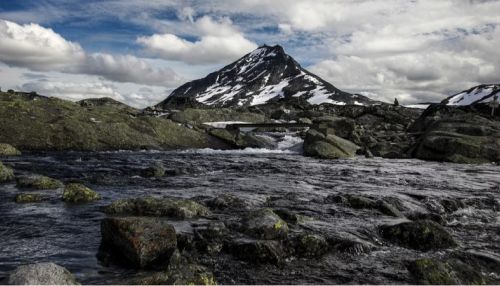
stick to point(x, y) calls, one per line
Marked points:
point(69, 235)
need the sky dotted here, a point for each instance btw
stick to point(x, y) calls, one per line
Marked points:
point(139, 51)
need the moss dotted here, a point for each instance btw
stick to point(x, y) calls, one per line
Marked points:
point(6, 173)
point(444, 272)
point(8, 150)
point(311, 245)
point(27, 198)
point(78, 193)
point(38, 182)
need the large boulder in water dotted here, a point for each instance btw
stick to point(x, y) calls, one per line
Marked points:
point(8, 150)
point(150, 206)
point(78, 193)
point(421, 235)
point(6, 173)
point(47, 273)
point(265, 224)
point(319, 145)
point(428, 271)
point(142, 241)
point(258, 251)
point(38, 182)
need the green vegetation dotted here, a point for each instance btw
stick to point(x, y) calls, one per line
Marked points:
point(38, 182)
point(78, 193)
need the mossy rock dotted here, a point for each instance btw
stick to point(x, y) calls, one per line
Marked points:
point(6, 173)
point(427, 271)
point(319, 145)
point(264, 224)
point(28, 198)
point(311, 245)
point(78, 193)
point(258, 251)
point(150, 206)
point(38, 182)
point(8, 150)
point(187, 274)
point(360, 202)
point(423, 235)
point(154, 171)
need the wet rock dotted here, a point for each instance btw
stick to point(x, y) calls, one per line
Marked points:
point(142, 241)
point(209, 237)
point(226, 201)
point(430, 271)
point(78, 193)
point(28, 198)
point(350, 246)
point(150, 206)
point(47, 273)
point(360, 202)
point(156, 171)
point(188, 274)
point(289, 216)
point(6, 173)
point(451, 205)
point(421, 235)
point(8, 150)
point(265, 224)
point(38, 182)
point(310, 245)
point(258, 251)
point(319, 145)
point(427, 216)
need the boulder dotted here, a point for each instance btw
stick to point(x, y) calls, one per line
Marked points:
point(319, 145)
point(423, 235)
point(38, 182)
point(6, 173)
point(310, 245)
point(8, 150)
point(28, 198)
point(46, 273)
point(241, 140)
point(226, 201)
point(78, 193)
point(264, 224)
point(156, 171)
point(428, 271)
point(258, 251)
point(150, 206)
point(360, 202)
point(187, 274)
point(142, 241)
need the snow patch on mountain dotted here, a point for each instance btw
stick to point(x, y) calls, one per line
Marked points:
point(478, 94)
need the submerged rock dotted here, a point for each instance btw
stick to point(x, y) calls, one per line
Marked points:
point(360, 202)
point(429, 271)
point(258, 251)
point(28, 198)
point(6, 173)
point(421, 235)
point(47, 273)
point(38, 182)
point(78, 193)
point(8, 150)
point(187, 274)
point(150, 206)
point(156, 171)
point(265, 224)
point(310, 245)
point(317, 144)
point(142, 241)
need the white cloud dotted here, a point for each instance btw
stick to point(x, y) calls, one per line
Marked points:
point(41, 49)
point(73, 91)
point(219, 42)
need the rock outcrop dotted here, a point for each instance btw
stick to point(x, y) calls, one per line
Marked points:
point(41, 274)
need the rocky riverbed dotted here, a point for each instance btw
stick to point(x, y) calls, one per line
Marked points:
point(250, 217)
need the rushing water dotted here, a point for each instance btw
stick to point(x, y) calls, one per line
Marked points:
point(70, 234)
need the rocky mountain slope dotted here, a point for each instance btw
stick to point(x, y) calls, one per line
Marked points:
point(265, 75)
point(479, 94)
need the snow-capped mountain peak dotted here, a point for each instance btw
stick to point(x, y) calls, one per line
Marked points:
point(265, 75)
point(479, 94)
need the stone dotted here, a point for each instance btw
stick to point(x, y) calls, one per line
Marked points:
point(150, 206)
point(310, 245)
point(38, 182)
point(8, 150)
point(187, 274)
point(264, 224)
point(428, 271)
point(226, 201)
point(423, 235)
point(258, 251)
point(6, 173)
point(28, 198)
point(46, 273)
point(360, 202)
point(78, 193)
point(156, 171)
point(142, 241)
point(319, 145)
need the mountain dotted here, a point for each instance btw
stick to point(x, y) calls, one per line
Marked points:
point(479, 94)
point(265, 75)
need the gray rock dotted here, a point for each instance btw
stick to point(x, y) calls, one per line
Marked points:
point(265, 224)
point(47, 273)
point(319, 145)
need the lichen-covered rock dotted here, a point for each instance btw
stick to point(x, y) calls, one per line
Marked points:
point(421, 235)
point(319, 145)
point(258, 251)
point(8, 150)
point(142, 241)
point(38, 182)
point(150, 206)
point(265, 224)
point(310, 245)
point(6, 173)
point(78, 193)
point(428, 271)
point(47, 273)
point(28, 198)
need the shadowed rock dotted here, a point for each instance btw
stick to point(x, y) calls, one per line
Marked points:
point(41, 274)
point(265, 224)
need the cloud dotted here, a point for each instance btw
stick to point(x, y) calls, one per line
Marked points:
point(41, 49)
point(73, 91)
point(219, 42)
